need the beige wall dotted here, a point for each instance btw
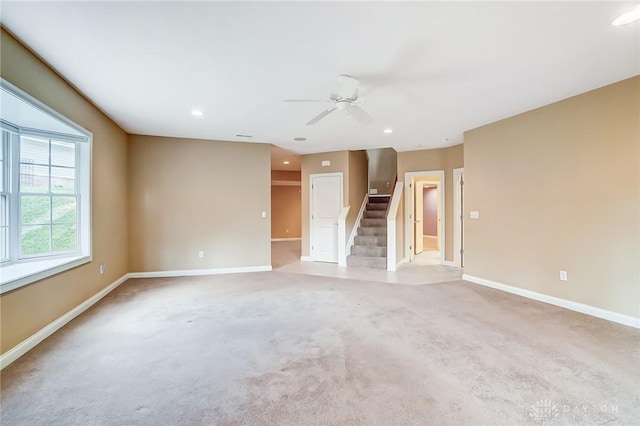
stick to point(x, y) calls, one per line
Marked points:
point(187, 195)
point(292, 175)
point(558, 188)
point(28, 309)
point(383, 163)
point(358, 177)
point(445, 159)
point(286, 211)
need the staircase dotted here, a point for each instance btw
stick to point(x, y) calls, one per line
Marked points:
point(370, 244)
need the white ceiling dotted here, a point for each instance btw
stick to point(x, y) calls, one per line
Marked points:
point(429, 70)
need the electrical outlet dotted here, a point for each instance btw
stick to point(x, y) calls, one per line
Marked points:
point(103, 267)
point(201, 253)
point(563, 276)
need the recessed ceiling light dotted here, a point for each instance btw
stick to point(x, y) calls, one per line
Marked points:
point(627, 18)
point(445, 140)
point(197, 113)
point(286, 163)
point(419, 145)
point(388, 130)
point(300, 139)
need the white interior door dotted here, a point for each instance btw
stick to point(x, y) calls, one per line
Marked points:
point(326, 203)
point(418, 214)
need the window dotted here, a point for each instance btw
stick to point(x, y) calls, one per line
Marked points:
point(44, 191)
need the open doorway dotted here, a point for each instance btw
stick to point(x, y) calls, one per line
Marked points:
point(424, 217)
point(286, 207)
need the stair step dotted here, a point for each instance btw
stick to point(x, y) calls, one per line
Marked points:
point(369, 251)
point(377, 206)
point(375, 214)
point(367, 261)
point(370, 241)
point(374, 222)
point(379, 199)
point(372, 231)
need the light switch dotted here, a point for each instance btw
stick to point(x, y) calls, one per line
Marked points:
point(264, 213)
point(474, 214)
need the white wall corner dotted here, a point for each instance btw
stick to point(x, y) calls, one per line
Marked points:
point(563, 303)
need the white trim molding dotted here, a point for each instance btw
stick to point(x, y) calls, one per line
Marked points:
point(285, 239)
point(356, 224)
point(29, 343)
point(392, 214)
point(449, 263)
point(306, 259)
point(342, 233)
point(199, 272)
point(563, 303)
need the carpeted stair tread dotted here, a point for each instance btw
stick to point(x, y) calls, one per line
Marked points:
point(379, 199)
point(377, 206)
point(370, 243)
point(375, 214)
point(370, 240)
point(367, 261)
point(368, 251)
point(368, 231)
point(382, 223)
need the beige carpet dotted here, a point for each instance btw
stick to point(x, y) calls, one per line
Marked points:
point(292, 349)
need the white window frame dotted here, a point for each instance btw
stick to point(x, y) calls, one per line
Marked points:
point(21, 270)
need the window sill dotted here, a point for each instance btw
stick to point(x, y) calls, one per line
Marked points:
point(22, 274)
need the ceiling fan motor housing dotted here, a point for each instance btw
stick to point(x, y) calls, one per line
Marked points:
point(342, 104)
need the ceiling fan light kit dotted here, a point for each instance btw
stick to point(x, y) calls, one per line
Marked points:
point(344, 97)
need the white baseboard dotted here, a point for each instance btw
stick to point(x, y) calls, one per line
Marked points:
point(306, 258)
point(198, 272)
point(28, 344)
point(449, 263)
point(285, 239)
point(563, 303)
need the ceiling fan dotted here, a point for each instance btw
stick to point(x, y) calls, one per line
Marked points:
point(344, 97)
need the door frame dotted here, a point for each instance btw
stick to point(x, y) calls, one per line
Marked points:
point(311, 177)
point(458, 217)
point(408, 210)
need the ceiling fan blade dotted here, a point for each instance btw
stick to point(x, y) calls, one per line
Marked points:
point(306, 100)
point(320, 116)
point(360, 114)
